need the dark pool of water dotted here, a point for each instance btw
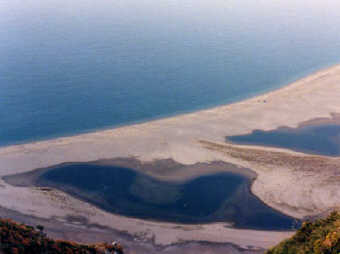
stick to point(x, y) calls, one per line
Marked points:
point(218, 197)
point(320, 139)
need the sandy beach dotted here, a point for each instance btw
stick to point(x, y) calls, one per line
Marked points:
point(294, 183)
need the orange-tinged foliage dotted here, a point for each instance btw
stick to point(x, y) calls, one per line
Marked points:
point(22, 239)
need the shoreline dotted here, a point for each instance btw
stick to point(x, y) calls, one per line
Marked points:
point(162, 171)
point(287, 181)
point(176, 114)
point(92, 233)
point(319, 135)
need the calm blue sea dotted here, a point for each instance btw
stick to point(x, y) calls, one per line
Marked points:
point(68, 67)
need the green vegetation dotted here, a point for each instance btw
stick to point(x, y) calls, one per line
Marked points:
point(19, 238)
point(319, 237)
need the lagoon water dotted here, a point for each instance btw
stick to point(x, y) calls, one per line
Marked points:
point(223, 197)
point(68, 67)
point(319, 139)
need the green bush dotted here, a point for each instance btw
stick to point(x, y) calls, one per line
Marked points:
point(319, 237)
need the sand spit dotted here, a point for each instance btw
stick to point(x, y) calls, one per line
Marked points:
point(298, 185)
point(294, 183)
point(80, 230)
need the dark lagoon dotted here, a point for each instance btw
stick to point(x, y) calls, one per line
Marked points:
point(69, 67)
point(319, 139)
point(222, 197)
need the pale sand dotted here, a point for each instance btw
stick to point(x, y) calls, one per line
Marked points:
point(297, 189)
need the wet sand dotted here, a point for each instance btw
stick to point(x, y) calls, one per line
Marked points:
point(152, 187)
point(166, 170)
point(80, 230)
point(294, 183)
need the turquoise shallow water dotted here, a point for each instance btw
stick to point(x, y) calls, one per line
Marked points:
point(68, 67)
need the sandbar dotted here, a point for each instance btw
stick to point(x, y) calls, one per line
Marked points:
point(294, 183)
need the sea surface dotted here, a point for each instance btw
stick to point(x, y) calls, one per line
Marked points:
point(222, 197)
point(68, 67)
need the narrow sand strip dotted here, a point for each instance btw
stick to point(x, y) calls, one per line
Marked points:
point(296, 190)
